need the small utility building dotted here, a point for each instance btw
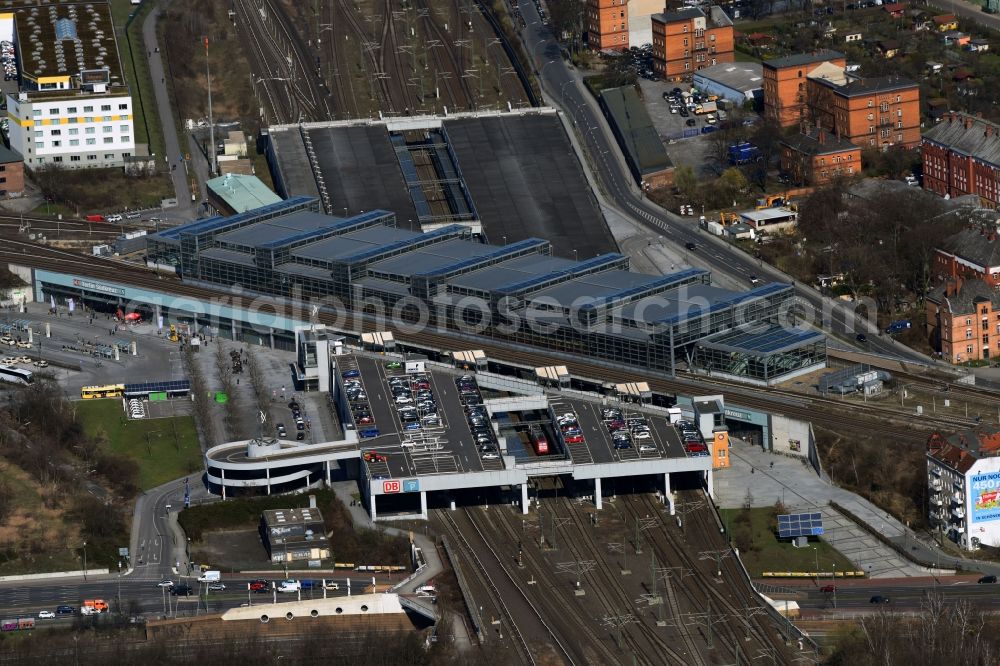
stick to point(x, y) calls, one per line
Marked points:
point(739, 82)
point(639, 140)
point(235, 193)
point(291, 535)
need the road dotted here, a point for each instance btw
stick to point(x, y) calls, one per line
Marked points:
point(175, 158)
point(143, 595)
point(904, 594)
point(563, 88)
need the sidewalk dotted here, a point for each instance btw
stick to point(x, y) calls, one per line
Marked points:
point(770, 478)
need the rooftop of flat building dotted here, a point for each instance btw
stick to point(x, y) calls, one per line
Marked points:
point(66, 39)
point(742, 76)
point(242, 193)
point(818, 141)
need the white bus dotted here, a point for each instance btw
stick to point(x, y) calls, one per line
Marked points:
point(15, 375)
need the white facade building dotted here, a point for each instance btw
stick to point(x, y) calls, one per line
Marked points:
point(73, 107)
point(963, 483)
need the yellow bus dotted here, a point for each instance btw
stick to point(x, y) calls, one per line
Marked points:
point(107, 391)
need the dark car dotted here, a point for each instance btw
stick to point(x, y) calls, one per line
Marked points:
point(985, 580)
point(684, 112)
point(828, 589)
point(690, 122)
point(690, 246)
point(180, 590)
point(861, 337)
point(878, 599)
point(65, 610)
point(347, 374)
point(299, 436)
point(708, 129)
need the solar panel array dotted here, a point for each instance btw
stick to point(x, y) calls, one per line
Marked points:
point(800, 524)
point(145, 388)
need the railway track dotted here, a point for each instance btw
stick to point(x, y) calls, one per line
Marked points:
point(278, 56)
point(588, 648)
point(700, 534)
point(692, 655)
point(504, 603)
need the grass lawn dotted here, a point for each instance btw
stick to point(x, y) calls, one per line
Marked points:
point(769, 554)
point(150, 442)
point(145, 117)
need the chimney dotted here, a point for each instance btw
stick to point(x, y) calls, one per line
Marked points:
point(992, 237)
point(988, 132)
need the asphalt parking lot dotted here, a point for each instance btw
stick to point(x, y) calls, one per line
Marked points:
point(691, 151)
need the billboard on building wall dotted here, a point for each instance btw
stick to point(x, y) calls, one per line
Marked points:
point(985, 496)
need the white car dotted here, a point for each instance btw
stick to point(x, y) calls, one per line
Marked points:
point(41, 363)
point(642, 434)
point(46, 615)
point(216, 587)
point(165, 583)
point(490, 455)
point(647, 448)
point(403, 400)
point(113, 218)
point(24, 344)
point(330, 585)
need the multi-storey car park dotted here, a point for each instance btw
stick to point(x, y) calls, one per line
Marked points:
point(515, 294)
point(71, 105)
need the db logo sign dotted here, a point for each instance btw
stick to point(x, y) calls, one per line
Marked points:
point(390, 486)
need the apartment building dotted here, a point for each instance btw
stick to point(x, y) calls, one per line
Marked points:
point(815, 157)
point(963, 320)
point(607, 24)
point(688, 40)
point(785, 84)
point(871, 112)
point(973, 253)
point(961, 156)
point(72, 106)
point(963, 486)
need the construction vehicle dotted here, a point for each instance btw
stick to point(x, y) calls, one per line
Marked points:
point(728, 218)
point(172, 336)
point(771, 201)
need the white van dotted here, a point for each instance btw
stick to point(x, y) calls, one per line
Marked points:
point(210, 577)
point(290, 585)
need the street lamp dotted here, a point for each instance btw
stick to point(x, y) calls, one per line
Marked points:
point(85, 560)
point(816, 553)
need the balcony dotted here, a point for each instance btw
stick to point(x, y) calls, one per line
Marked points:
point(958, 511)
point(957, 498)
point(935, 485)
point(936, 471)
point(937, 501)
point(959, 528)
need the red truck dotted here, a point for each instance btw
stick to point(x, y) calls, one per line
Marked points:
point(95, 218)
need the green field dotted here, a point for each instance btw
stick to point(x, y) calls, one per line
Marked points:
point(769, 554)
point(165, 449)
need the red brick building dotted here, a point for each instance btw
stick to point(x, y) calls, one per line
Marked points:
point(11, 172)
point(816, 157)
point(973, 254)
point(871, 112)
point(607, 24)
point(689, 39)
point(961, 155)
point(785, 84)
point(963, 320)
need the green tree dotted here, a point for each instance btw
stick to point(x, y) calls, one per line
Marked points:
point(685, 180)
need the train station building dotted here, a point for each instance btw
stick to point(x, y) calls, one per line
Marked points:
point(517, 293)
